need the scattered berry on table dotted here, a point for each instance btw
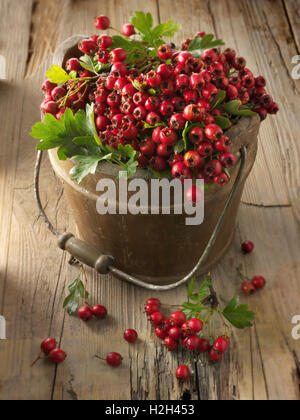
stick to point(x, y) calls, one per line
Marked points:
point(99, 311)
point(248, 288)
point(57, 356)
point(85, 313)
point(247, 247)
point(48, 345)
point(258, 282)
point(130, 335)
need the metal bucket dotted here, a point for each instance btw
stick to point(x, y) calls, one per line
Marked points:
point(157, 249)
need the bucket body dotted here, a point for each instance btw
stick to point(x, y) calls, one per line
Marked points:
point(159, 249)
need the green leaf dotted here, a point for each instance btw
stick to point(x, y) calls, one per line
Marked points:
point(222, 122)
point(198, 45)
point(235, 107)
point(238, 315)
point(166, 173)
point(218, 99)
point(143, 22)
point(86, 165)
point(179, 146)
point(58, 75)
point(76, 291)
point(60, 134)
point(167, 29)
point(161, 124)
point(88, 63)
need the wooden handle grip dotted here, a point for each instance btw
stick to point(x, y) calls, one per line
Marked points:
point(84, 252)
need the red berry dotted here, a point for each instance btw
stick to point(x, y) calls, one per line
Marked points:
point(57, 356)
point(118, 55)
point(168, 136)
point(114, 359)
point(221, 179)
point(213, 168)
point(165, 71)
point(164, 52)
point(73, 64)
point(164, 150)
point(190, 96)
point(214, 355)
point(99, 311)
point(128, 29)
point(102, 22)
point(49, 107)
point(104, 41)
point(196, 80)
point(175, 333)
point(179, 170)
point(130, 335)
point(170, 343)
point(209, 91)
point(153, 300)
point(213, 132)
point(152, 103)
point(181, 81)
point(248, 288)
point(161, 333)
point(158, 163)
point(178, 318)
point(152, 307)
point(195, 325)
point(87, 46)
point(85, 313)
point(203, 345)
point(193, 342)
point(247, 247)
point(196, 135)
point(183, 373)
point(139, 98)
point(177, 122)
point(139, 113)
point(153, 79)
point(192, 112)
point(48, 345)
point(152, 118)
point(221, 344)
point(209, 56)
point(47, 86)
point(227, 159)
point(147, 147)
point(157, 318)
point(259, 282)
point(119, 69)
point(192, 159)
point(166, 108)
point(101, 123)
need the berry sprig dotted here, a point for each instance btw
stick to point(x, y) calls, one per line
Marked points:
point(250, 286)
point(51, 352)
point(170, 108)
point(192, 326)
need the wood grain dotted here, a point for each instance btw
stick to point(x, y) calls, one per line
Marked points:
point(262, 363)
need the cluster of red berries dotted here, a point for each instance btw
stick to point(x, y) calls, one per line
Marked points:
point(258, 282)
point(178, 330)
point(50, 350)
point(86, 312)
point(174, 88)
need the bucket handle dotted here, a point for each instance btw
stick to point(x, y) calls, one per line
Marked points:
point(103, 264)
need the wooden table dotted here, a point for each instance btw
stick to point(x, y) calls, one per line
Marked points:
point(263, 362)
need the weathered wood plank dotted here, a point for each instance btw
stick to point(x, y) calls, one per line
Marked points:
point(293, 14)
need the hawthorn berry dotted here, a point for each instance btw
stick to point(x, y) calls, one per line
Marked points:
point(114, 359)
point(170, 343)
point(156, 318)
point(157, 163)
point(183, 372)
point(213, 132)
point(164, 52)
point(85, 313)
point(175, 333)
point(102, 22)
point(99, 311)
point(48, 345)
point(181, 171)
point(128, 29)
point(130, 335)
point(214, 355)
point(258, 282)
point(192, 159)
point(195, 325)
point(193, 342)
point(221, 344)
point(247, 247)
point(248, 288)
point(57, 356)
point(178, 318)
